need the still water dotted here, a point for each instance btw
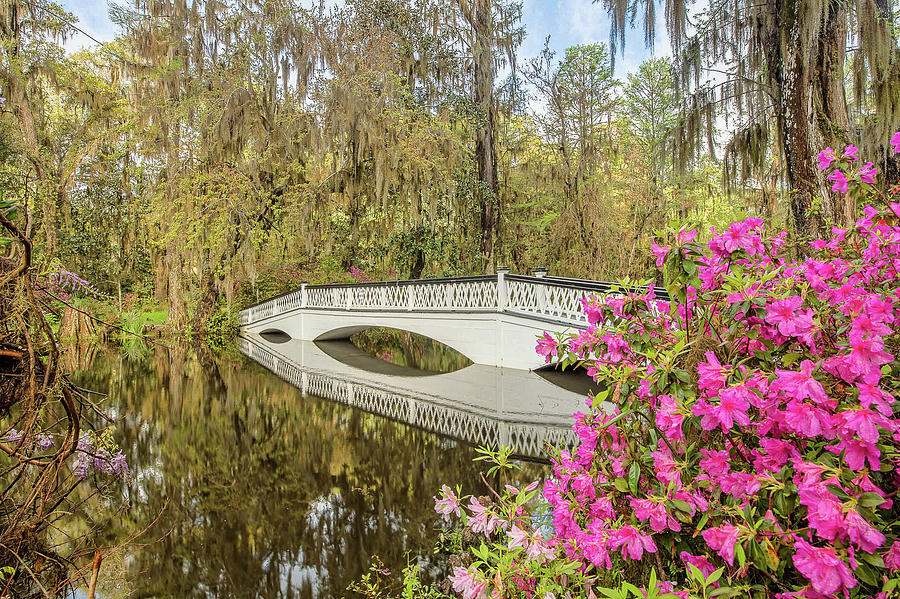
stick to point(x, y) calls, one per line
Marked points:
point(283, 471)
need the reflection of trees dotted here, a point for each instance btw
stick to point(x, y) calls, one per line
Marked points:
point(270, 494)
point(410, 349)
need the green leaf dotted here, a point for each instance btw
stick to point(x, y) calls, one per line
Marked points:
point(870, 558)
point(634, 475)
point(689, 267)
point(715, 576)
point(870, 499)
point(621, 484)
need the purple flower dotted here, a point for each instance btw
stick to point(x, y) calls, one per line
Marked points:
point(840, 181)
point(82, 466)
point(44, 441)
point(895, 142)
point(13, 436)
point(118, 465)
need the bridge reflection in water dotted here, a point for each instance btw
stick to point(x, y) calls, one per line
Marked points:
point(479, 405)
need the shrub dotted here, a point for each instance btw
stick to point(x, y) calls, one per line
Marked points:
point(747, 444)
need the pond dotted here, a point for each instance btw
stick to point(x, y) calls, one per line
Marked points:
point(285, 471)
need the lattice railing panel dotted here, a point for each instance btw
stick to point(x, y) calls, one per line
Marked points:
point(558, 300)
point(548, 301)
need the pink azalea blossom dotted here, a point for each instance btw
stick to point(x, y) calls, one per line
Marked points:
point(659, 252)
point(517, 537)
point(862, 534)
point(892, 555)
point(448, 504)
point(592, 310)
point(539, 550)
point(895, 142)
point(685, 236)
point(714, 462)
point(840, 181)
point(850, 153)
point(857, 453)
point(669, 419)
point(655, 512)
point(739, 236)
point(864, 423)
point(823, 511)
point(632, 541)
point(701, 563)
point(482, 520)
point(804, 419)
point(731, 410)
point(786, 315)
point(826, 572)
point(469, 583)
point(740, 484)
point(826, 157)
point(800, 385)
point(546, 346)
point(722, 539)
point(867, 173)
point(712, 373)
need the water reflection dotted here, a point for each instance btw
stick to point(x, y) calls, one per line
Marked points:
point(409, 349)
point(267, 493)
point(481, 405)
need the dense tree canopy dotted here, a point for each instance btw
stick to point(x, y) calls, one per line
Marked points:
point(215, 141)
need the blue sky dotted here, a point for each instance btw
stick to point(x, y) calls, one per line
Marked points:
point(568, 22)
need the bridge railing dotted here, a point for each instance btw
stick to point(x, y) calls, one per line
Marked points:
point(529, 439)
point(553, 298)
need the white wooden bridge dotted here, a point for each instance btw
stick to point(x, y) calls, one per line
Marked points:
point(478, 405)
point(493, 320)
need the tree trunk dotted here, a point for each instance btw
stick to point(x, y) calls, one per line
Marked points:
point(177, 306)
point(830, 100)
point(161, 275)
point(790, 83)
point(488, 190)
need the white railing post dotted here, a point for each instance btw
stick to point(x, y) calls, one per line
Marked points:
point(540, 273)
point(304, 303)
point(410, 298)
point(502, 271)
point(348, 297)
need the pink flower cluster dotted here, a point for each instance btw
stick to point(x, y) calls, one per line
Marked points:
point(772, 453)
point(358, 275)
point(865, 174)
point(749, 432)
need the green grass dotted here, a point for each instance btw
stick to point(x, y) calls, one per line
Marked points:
point(155, 316)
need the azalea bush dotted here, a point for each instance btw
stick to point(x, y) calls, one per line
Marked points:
point(747, 441)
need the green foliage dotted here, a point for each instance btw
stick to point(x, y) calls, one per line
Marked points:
point(221, 329)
